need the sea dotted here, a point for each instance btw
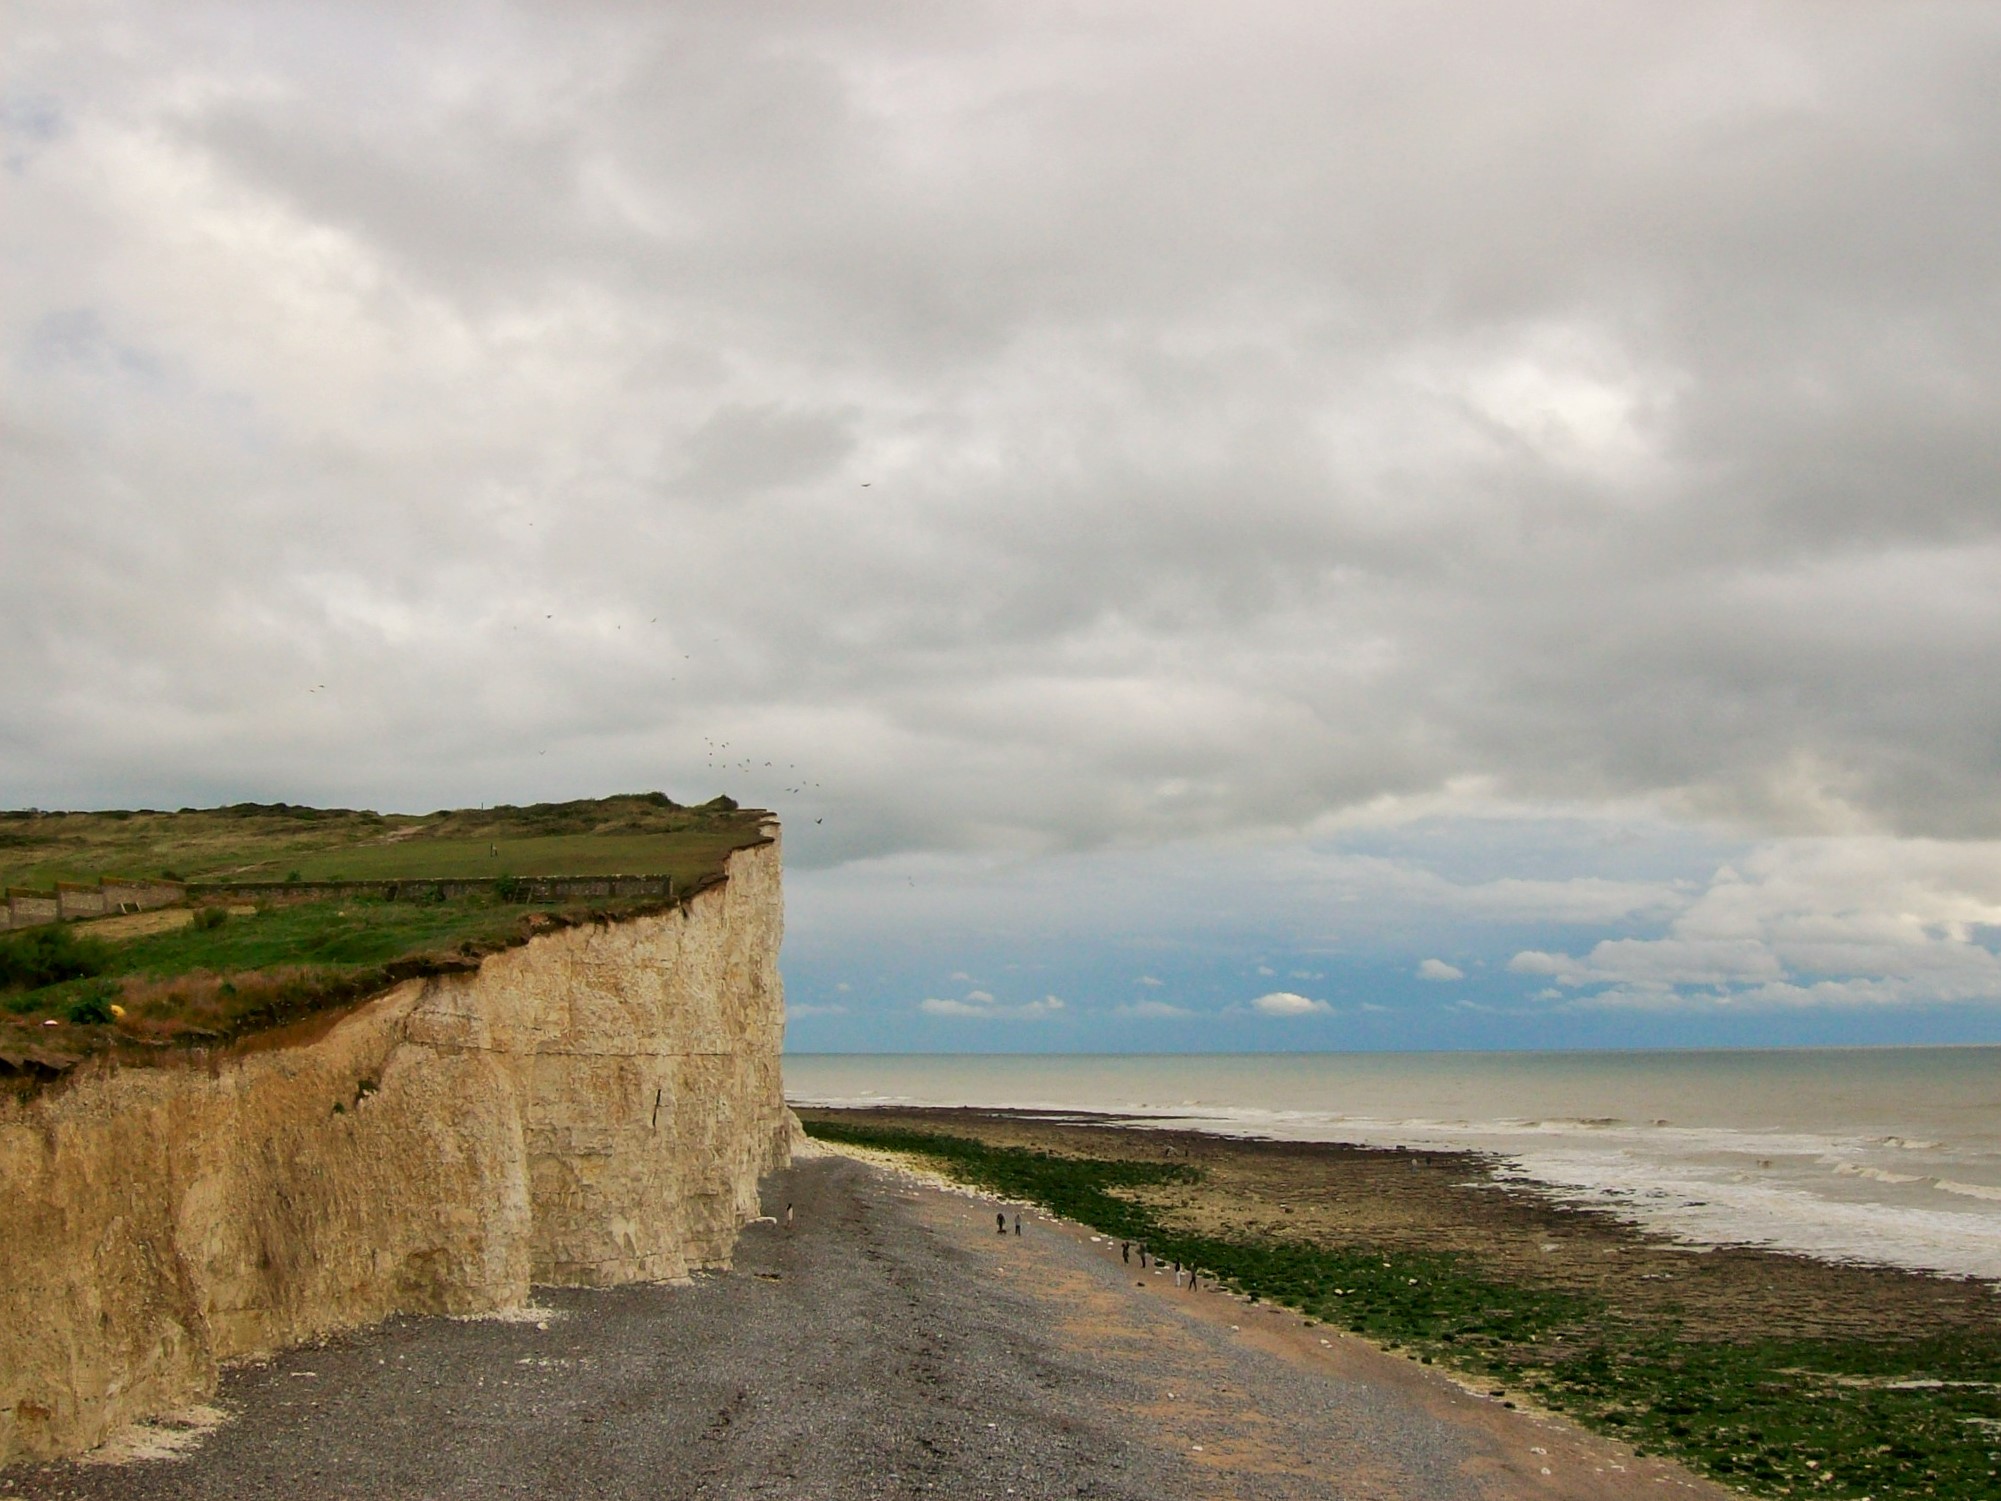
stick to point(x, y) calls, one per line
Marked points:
point(1887, 1156)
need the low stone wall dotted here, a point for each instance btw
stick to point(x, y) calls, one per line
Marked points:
point(121, 895)
point(71, 899)
point(520, 888)
point(27, 909)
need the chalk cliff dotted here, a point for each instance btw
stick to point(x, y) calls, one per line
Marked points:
point(591, 1108)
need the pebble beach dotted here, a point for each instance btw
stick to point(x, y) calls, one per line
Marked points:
point(880, 1340)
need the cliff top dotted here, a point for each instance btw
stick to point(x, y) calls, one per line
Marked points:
point(273, 941)
point(634, 834)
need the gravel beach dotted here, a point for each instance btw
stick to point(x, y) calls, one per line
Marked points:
point(885, 1342)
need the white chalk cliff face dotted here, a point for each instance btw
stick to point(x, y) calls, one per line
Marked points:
point(592, 1108)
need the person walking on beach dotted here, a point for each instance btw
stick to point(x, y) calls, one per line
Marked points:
point(1000, 1222)
point(1017, 1224)
point(1126, 1251)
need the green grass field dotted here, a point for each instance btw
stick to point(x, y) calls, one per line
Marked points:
point(639, 834)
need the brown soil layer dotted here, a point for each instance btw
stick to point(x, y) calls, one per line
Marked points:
point(1340, 1195)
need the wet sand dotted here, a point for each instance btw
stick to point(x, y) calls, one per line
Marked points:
point(885, 1343)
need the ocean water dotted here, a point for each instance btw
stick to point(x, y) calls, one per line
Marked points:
point(1883, 1155)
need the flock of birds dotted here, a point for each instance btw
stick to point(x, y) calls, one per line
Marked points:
point(747, 765)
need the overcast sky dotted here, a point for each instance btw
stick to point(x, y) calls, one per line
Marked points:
point(1260, 525)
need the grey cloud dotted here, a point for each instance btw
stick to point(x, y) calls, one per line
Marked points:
point(740, 450)
point(1261, 417)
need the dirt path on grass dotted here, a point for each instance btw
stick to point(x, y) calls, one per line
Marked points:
point(885, 1343)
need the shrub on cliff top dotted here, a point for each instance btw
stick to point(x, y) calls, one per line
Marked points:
point(47, 956)
point(92, 1009)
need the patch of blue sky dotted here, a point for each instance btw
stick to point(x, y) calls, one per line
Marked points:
point(1387, 939)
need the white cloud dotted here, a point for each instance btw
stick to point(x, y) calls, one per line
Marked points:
point(1438, 969)
point(1536, 962)
point(1839, 921)
point(983, 1007)
point(947, 1006)
point(809, 1008)
point(1286, 1003)
point(1150, 980)
point(1152, 1010)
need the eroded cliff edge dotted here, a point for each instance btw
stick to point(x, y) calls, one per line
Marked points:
point(591, 1108)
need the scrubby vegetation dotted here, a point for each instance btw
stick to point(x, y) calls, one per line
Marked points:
point(48, 955)
point(1775, 1416)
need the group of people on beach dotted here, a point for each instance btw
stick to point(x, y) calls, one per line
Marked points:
point(1126, 1248)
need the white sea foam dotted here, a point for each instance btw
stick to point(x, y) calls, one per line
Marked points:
point(1878, 1174)
point(1971, 1190)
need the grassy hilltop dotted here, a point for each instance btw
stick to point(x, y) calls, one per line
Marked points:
point(635, 834)
point(147, 986)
